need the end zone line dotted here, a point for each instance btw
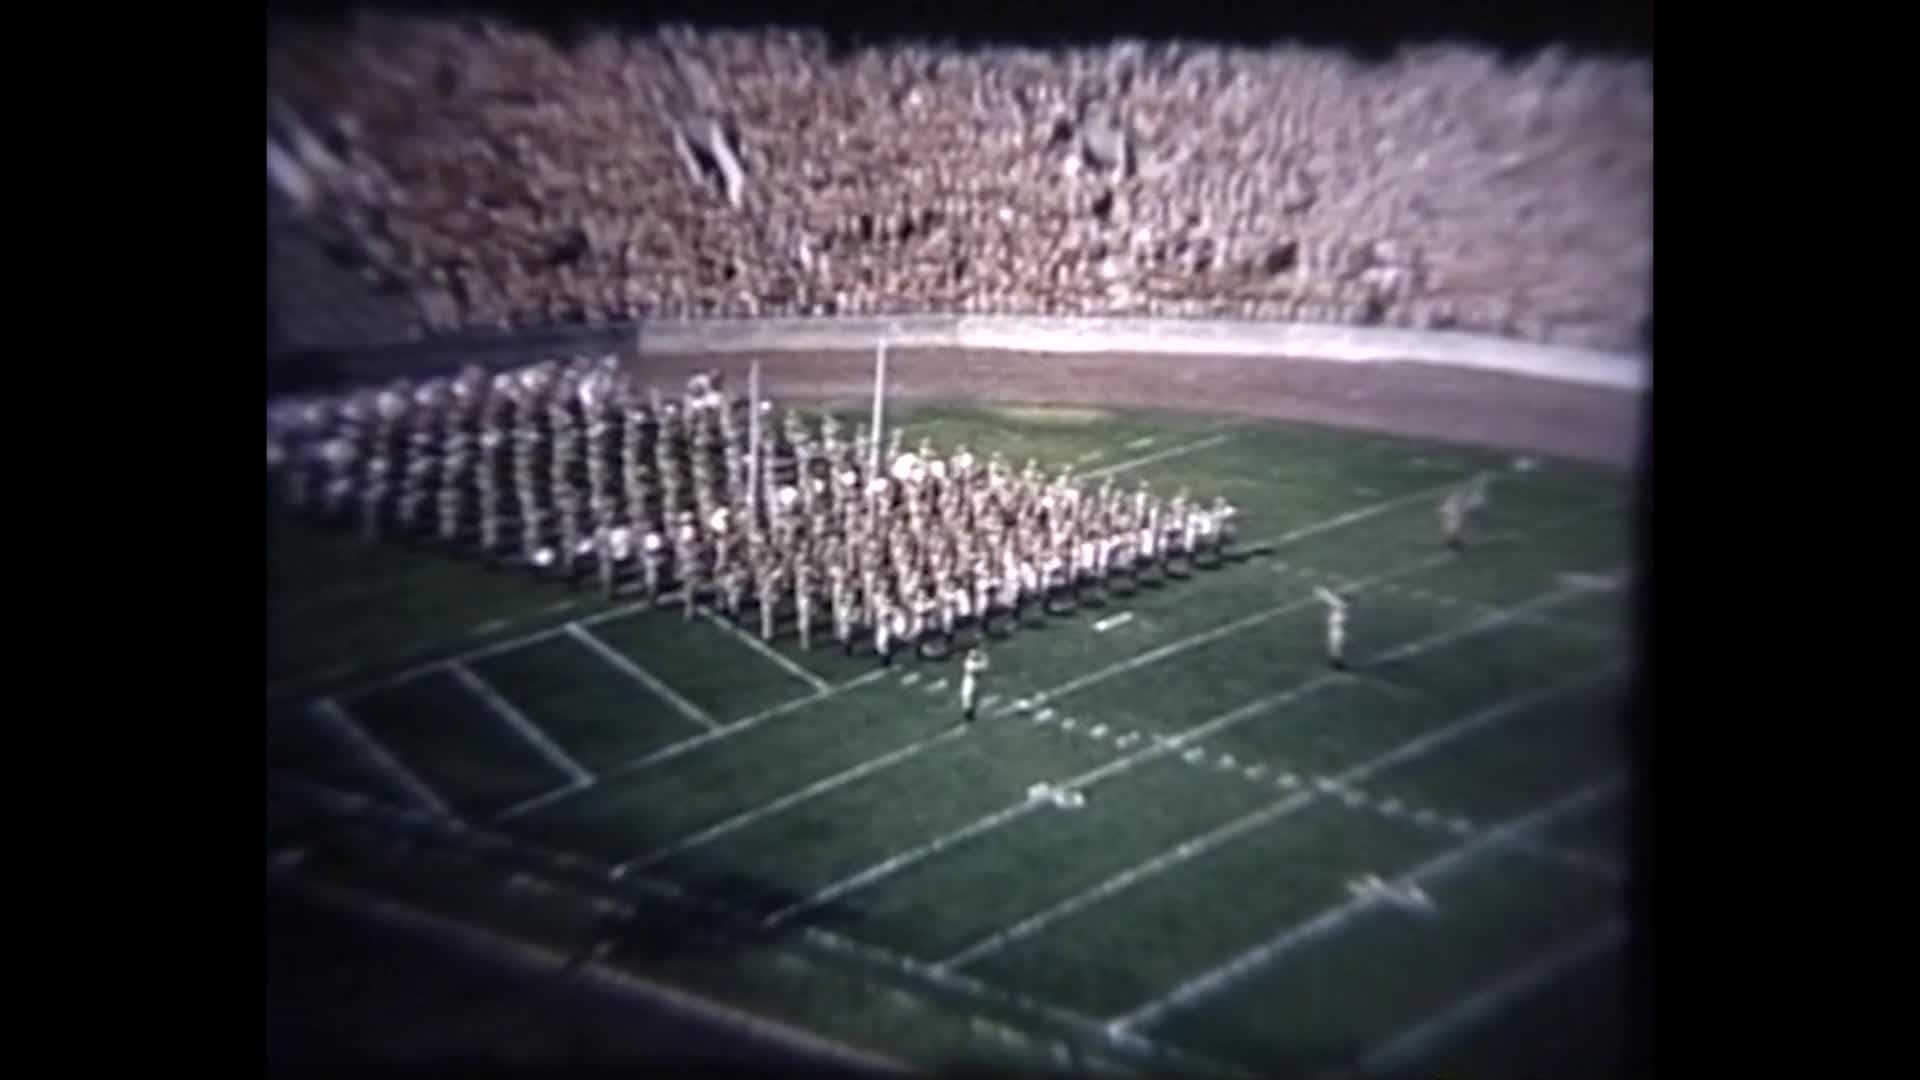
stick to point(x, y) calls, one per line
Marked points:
point(376, 754)
point(819, 684)
point(1418, 1041)
point(640, 675)
point(517, 720)
point(1218, 978)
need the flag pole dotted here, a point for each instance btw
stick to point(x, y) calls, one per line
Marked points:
point(753, 445)
point(879, 409)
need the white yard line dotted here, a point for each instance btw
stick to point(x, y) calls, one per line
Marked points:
point(1205, 637)
point(1200, 845)
point(428, 667)
point(824, 940)
point(1433, 596)
point(377, 755)
point(1418, 1041)
point(769, 652)
point(1580, 862)
point(1213, 981)
point(641, 675)
point(1120, 765)
point(1354, 516)
point(674, 750)
point(1159, 455)
point(793, 798)
point(508, 711)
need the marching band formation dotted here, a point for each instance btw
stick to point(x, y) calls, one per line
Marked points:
point(574, 470)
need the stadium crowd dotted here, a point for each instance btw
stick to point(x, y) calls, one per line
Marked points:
point(502, 178)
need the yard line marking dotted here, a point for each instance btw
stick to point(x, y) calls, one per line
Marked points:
point(377, 755)
point(1354, 516)
point(674, 750)
point(506, 710)
point(1121, 764)
point(534, 637)
point(1158, 455)
point(819, 938)
point(641, 675)
point(790, 799)
point(1212, 981)
point(558, 606)
point(1544, 622)
point(1141, 443)
point(1578, 861)
point(909, 678)
point(489, 627)
point(1200, 845)
point(819, 684)
point(1416, 1042)
point(1205, 637)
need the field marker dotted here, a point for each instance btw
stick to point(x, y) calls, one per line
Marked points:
point(1141, 443)
point(491, 626)
point(988, 701)
point(819, 684)
point(1043, 716)
point(1159, 455)
point(640, 675)
point(819, 938)
point(1426, 818)
point(1212, 981)
point(1213, 838)
point(1391, 807)
point(517, 720)
point(790, 799)
point(684, 746)
point(1205, 729)
point(937, 686)
point(1287, 780)
point(558, 606)
point(377, 755)
point(1416, 1042)
point(909, 678)
point(1068, 724)
point(1113, 621)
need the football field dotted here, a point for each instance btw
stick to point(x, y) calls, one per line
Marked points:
point(1278, 869)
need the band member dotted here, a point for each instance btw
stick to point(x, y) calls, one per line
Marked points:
point(970, 669)
point(1336, 626)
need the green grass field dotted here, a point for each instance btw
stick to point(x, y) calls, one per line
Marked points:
point(808, 837)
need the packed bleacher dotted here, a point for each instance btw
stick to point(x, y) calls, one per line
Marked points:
point(501, 178)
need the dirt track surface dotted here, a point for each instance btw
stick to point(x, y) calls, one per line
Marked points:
point(1450, 404)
